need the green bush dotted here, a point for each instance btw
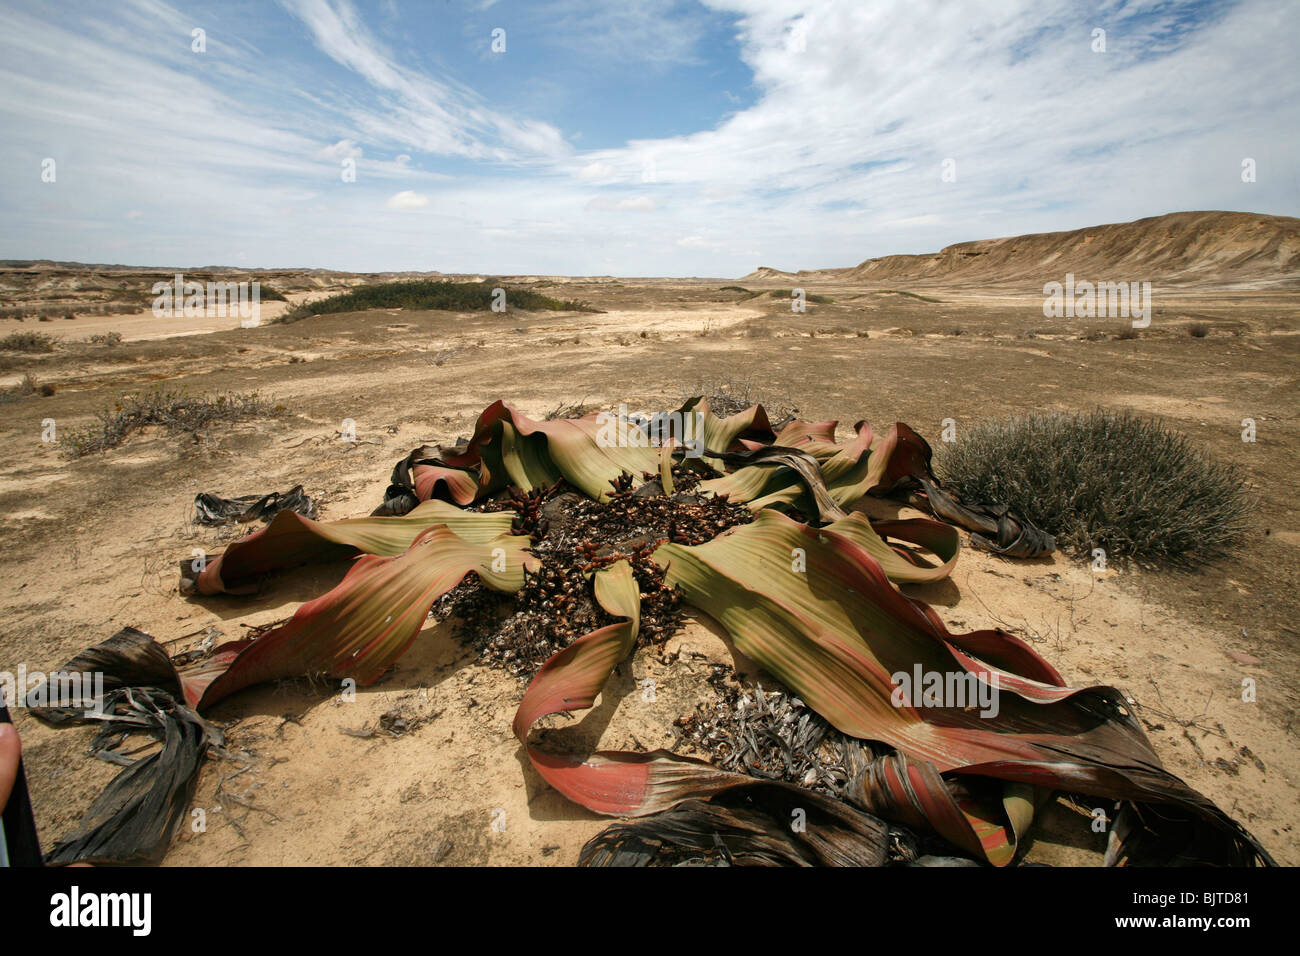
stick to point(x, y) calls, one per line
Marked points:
point(429, 294)
point(1107, 480)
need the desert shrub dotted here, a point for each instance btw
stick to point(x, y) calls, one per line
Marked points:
point(264, 291)
point(912, 295)
point(1198, 330)
point(572, 305)
point(728, 395)
point(28, 387)
point(105, 338)
point(733, 288)
point(1109, 480)
point(786, 293)
point(1128, 334)
point(27, 342)
point(174, 411)
point(571, 410)
point(429, 294)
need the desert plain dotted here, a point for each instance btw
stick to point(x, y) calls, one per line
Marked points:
point(93, 544)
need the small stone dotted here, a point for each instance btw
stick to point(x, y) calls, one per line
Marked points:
point(1241, 657)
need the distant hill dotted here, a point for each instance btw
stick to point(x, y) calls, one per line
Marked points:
point(1193, 248)
point(45, 265)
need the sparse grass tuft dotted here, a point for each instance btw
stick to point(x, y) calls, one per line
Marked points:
point(105, 338)
point(174, 411)
point(571, 410)
point(728, 395)
point(27, 342)
point(28, 387)
point(429, 294)
point(1107, 480)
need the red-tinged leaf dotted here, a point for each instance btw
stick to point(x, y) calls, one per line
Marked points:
point(608, 782)
point(440, 481)
point(362, 626)
point(290, 539)
point(900, 564)
point(837, 633)
point(798, 432)
point(864, 464)
point(509, 448)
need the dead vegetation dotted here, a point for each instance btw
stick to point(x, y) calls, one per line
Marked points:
point(728, 395)
point(27, 388)
point(175, 412)
point(27, 342)
point(768, 734)
point(575, 536)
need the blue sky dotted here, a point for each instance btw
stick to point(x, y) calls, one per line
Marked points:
point(628, 137)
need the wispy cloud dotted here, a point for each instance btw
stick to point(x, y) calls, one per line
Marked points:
point(407, 199)
point(419, 111)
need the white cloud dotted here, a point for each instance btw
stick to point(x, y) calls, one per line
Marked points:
point(913, 221)
point(633, 204)
point(343, 149)
point(597, 171)
point(628, 34)
point(434, 115)
point(407, 199)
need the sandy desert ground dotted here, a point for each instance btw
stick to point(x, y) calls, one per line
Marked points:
point(93, 544)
